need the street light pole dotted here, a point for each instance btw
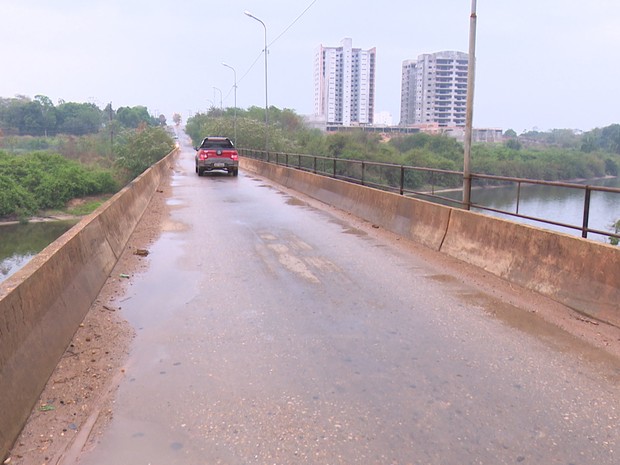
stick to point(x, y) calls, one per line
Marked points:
point(215, 88)
point(469, 112)
point(235, 87)
point(247, 13)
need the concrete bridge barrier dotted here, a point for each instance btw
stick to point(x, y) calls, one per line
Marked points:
point(420, 221)
point(581, 274)
point(43, 304)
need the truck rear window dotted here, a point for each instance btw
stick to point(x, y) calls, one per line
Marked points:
point(217, 144)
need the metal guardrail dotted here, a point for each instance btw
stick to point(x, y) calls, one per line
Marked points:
point(427, 183)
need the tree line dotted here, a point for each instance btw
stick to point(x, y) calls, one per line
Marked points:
point(23, 116)
point(52, 154)
point(554, 155)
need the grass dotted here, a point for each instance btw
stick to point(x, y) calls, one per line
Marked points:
point(85, 207)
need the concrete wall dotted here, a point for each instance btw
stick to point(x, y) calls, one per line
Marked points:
point(42, 305)
point(581, 274)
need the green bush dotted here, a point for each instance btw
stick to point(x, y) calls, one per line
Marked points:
point(136, 151)
point(39, 180)
point(14, 199)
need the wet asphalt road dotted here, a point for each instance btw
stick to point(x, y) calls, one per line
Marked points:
point(270, 332)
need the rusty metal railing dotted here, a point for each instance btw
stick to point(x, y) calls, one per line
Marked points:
point(429, 183)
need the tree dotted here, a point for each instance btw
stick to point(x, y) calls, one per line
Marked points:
point(588, 142)
point(510, 133)
point(79, 118)
point(513, 144)
point(138, 150)
point(21, 115)
point(610, 138)
point(48, 111)
point(176, 118)
point(131, 117)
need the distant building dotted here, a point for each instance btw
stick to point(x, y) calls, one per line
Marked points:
point(488, 135)
point(344, 84)
point(383, 118)
point(434, 89)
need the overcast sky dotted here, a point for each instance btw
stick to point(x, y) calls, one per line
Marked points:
point(540, 63)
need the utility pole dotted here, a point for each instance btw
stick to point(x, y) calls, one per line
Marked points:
point(111, 129)
point(469, 115)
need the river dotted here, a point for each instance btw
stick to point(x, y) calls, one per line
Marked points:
point(20, 242)
point(558, 204)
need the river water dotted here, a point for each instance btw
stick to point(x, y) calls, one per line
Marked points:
point(20, 242)
point(559, 204)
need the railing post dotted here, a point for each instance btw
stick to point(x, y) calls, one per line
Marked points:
point(334, 167)
point(402, 179)
point(287, 159)
point(518, 196)
point(586, 213)
point(314, 164)
point(363, 167)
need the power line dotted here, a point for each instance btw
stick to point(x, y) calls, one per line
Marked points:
point(291, 25)
point(274, 40)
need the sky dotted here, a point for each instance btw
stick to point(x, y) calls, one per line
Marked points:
point(540, 64)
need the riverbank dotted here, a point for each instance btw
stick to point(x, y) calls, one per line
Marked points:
point(41, 219)
point(74, 210)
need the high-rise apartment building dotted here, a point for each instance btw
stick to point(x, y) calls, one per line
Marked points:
point(434, 89)
point(344, 84)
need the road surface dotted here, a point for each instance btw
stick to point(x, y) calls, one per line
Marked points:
point(270, 331)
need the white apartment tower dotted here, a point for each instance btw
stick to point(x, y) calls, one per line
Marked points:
point(434, 89)
point(344, 84)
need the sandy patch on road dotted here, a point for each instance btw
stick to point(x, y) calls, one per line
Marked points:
point(76, 403)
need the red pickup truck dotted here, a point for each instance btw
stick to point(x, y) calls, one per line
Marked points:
point(217, 153)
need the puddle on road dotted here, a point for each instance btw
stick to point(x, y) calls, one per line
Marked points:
point(347, 228)
point(530, 323)
point(296, 202)
point(145, 303)
point(550, 334)
point(156, 371)
point(443, 278)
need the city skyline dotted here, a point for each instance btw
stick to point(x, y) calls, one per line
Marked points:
point(542, 66)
